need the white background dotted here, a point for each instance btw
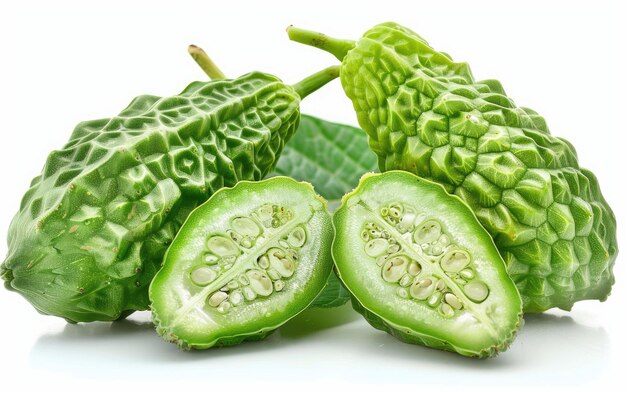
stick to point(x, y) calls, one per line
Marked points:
point(62, 62)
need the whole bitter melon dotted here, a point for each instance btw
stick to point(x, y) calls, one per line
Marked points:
point(427, 115)
point(92, 229)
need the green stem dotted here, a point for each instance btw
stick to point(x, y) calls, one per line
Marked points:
point(313, 82)
point(337, 47)
point(205, 62)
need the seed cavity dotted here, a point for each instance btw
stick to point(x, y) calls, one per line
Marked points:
point(455, 260)
point(395, 268)
point(236, 297)
point(281, 262)
point(222, 246)
point(467, 274)
point(453, 301)
point(203, 275)
point(476, 291)
point(260, 283)
point(427, 232)
point(434, 299)
point(297, 237)
point(376, 247)
point(421, 289)
point(414, 268)
point(217, 298)
point(245, 226)
point(446, 310)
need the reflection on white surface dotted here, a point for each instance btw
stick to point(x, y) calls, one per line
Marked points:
point(327, 344)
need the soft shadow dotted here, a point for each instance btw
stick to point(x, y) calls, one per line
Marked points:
point(548, 348)
point(88, 346)
point(315, 320)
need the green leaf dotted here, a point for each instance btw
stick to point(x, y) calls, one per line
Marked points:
point(332, 157)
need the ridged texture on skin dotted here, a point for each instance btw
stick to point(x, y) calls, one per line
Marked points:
point(92, 229)
point(425, 114)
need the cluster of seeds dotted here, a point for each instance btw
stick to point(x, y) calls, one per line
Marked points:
point(265, 275)
point(428, 239)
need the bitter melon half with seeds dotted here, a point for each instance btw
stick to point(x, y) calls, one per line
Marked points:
point(92, 229)
point(420, 266)
point(245, 262)
point(426, 114)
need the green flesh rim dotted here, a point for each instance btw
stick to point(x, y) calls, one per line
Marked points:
point(472, 327)
point(212, 262)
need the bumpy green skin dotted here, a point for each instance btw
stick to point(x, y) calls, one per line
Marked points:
point(93, 227)
point(332, 157)
point(427, 115)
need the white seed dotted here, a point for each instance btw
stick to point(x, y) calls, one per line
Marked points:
point(279, 285)
point(263, 262)
point(236, 297)
point(224, 288)
point(249, 294)
point(210, 258)
point(260, 282)
point(203, 275)
point(476, 291)
point(395, 268)
point(297, 237)
point(395, 212)
point(434, 299)
point(414, 268)
point(467, 274)
point(427, 232)
point(265, 213)
point(422, 289)
point(453, 301)
point(446, 310)
point(217, 298)
point(234, 236)
point(444, 239)
point(436, 250)
point(406, 280)
point(244, 280)
point(281, 262)
point(365, 235)
point(232, 284)
point(224, 307)
point(274, 275)
point(402, 292)
point(376, 247)
point(382, 259)
point(384, 212)
point(455, 260)
point(283, 243)
point(394, 248)
point(441, 285)
point(246, 242)
point(222, 246)
point(245, 226)
point(407, 220)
